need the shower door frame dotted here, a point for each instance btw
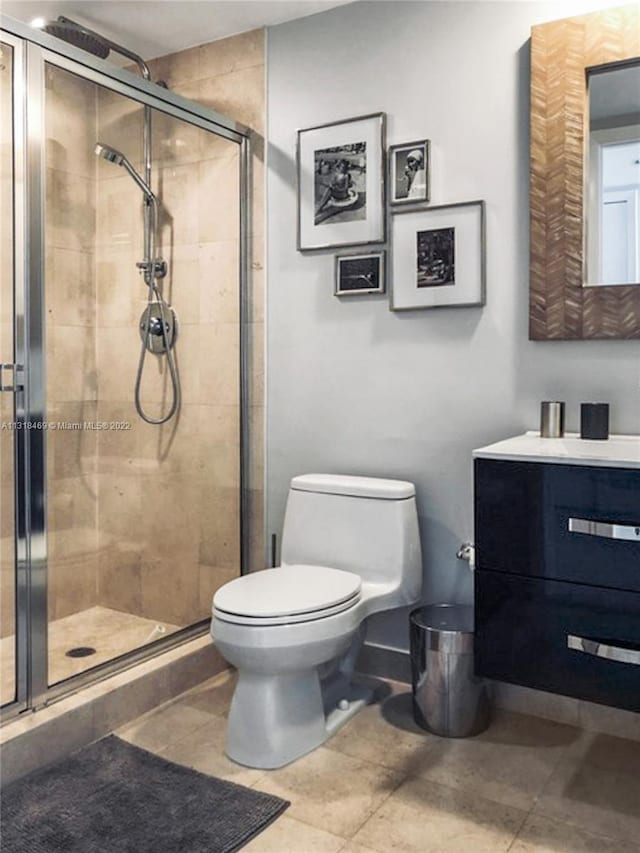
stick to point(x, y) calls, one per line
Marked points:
point(35, 49)
point(20, 455)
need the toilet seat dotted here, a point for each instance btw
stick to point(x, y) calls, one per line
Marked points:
point(286, 595)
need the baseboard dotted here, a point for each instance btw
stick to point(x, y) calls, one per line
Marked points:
point(395, 664)
point(384, 662)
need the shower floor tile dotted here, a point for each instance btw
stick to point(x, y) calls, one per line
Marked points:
point(110, 632)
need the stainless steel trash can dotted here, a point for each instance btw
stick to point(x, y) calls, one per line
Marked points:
point(448, 699)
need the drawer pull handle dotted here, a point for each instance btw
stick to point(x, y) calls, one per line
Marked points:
point(628, 532)
point(603, 650)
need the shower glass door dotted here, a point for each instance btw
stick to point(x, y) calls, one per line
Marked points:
point(143, 520)
point(7, 413)
point(114, 532)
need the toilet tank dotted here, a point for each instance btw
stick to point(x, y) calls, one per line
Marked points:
point(360, 524)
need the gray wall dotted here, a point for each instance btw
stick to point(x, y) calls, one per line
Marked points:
point(354, 388)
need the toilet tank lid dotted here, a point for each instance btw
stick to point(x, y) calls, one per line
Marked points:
point(360, 487)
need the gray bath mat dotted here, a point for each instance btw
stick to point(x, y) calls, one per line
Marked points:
point(113, 797)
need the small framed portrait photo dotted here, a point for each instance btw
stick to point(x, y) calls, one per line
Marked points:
point(360, 274)
point(439, 257)
point(410, 172)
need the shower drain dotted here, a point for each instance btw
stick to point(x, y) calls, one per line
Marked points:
point(80, 652)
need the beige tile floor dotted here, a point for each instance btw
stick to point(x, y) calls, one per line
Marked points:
point(526, 785)
point(110, 632)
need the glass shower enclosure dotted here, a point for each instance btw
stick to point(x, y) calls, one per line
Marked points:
point(122, 493)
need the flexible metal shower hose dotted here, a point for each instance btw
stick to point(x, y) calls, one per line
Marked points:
point(153, 292)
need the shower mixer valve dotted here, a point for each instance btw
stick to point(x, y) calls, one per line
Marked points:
point(158, 327)
point(155, 326)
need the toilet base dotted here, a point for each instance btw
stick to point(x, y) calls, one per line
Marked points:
point(353, 699)
point(275, 719)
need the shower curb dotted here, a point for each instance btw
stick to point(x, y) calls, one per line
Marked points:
point(38, 738)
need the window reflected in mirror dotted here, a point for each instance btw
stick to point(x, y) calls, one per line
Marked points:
point(613, 177)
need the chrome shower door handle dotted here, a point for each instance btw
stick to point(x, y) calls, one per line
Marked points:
point(16, 382)
point(620, 654)
point(605, 529)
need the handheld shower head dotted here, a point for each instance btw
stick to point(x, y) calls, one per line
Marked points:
point(112, 155)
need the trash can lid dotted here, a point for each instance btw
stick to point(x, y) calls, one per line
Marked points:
point(444, 617)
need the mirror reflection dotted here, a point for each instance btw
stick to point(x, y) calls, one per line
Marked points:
point(613, 176)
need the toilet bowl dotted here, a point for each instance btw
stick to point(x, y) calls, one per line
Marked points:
point(350, 548)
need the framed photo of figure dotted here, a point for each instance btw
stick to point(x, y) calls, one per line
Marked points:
point(410, 172)
point(439, 256)
point(360, 274)
point(341, 186)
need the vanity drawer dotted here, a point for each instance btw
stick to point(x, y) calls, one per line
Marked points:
point(592, 532)
point(573, 523)
point(567, 638)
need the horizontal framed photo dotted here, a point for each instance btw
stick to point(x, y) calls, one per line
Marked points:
point(341, 183)
point(439, 256)
point(410, 172)
point(360, 274)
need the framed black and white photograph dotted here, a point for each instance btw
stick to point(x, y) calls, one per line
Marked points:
point(341, 183)
point(410, 172)
point(438, 257)
point(360, 274)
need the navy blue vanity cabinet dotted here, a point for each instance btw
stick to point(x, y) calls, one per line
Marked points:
point(557, 584)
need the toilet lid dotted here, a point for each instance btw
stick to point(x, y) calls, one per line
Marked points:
point(288, 591)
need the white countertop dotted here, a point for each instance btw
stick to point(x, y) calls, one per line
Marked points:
point(619, 451)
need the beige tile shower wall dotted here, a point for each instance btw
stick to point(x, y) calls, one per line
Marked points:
point(71, 382)
point(168, 495)
point(229, 76)
point(122, 467)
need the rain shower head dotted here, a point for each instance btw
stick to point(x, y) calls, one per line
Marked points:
point(112, 155)
point(78, 36)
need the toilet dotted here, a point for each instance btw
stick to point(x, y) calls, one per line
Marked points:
point(350, 548)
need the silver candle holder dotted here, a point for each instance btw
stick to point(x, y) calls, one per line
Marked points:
point(551, 419)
